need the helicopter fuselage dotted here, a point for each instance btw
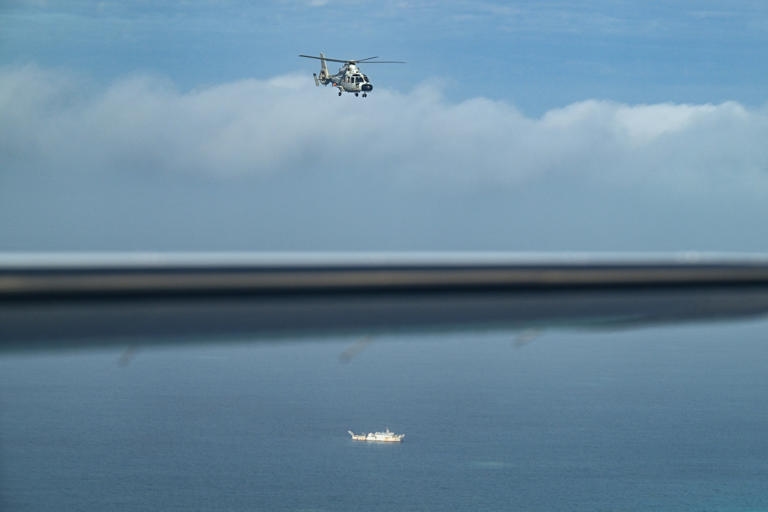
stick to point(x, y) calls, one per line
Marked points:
point(352, 82)
point(348, 79)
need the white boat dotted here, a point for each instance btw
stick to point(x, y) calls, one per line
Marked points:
point(383, 437)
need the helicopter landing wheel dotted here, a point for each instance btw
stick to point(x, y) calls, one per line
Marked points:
point(356, 95)
point(339, 93)
point(365, 95)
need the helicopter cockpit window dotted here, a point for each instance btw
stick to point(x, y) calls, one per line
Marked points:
point(365, 79)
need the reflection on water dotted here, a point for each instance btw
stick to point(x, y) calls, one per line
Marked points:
point(653, 419)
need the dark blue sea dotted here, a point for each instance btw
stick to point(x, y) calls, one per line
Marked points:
point(659, 419)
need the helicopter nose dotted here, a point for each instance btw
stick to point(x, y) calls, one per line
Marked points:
point(367, 87)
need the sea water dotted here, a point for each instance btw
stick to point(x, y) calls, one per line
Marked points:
point(662, 419)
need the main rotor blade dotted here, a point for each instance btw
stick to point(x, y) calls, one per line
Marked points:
point(326, 58)
point(355, 61)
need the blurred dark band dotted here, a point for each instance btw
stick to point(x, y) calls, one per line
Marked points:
point(45, 306)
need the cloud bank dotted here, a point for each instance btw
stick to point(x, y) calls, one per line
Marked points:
point(396, 148)
point(51, 119)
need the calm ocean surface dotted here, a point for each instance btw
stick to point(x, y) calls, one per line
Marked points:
point(663, 419)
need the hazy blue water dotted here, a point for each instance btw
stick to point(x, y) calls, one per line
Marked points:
point(671, 419)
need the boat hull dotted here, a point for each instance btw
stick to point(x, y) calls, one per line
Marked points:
point(378, 437)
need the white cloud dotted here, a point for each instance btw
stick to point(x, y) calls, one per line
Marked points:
point(277, 125)
point(281, 164)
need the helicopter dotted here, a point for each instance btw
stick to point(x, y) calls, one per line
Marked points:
point(349, 77)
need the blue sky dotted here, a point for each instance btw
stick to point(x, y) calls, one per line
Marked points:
point(537, 54)
point(559, 125)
